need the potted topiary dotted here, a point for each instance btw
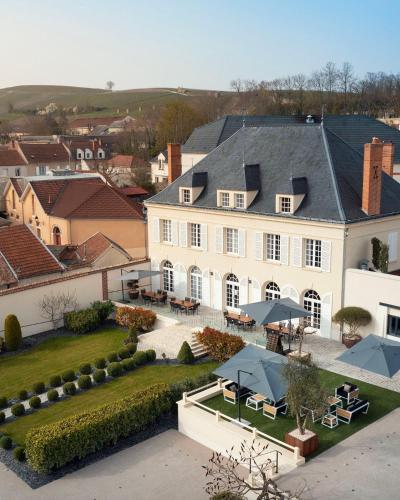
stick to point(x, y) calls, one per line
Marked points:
point(353, 318)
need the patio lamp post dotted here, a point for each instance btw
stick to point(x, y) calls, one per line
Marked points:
point(238, 390)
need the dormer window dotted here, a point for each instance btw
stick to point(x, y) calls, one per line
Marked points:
point(285, 204)
point(239, 200)
point(186, 196)
point(225, 199)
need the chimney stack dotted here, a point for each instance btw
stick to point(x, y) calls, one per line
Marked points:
point(174, 162)
point(372, 177)
point(388, 158)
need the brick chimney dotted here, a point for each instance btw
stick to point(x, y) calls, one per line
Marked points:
point(388, 158)
point(372, 177)
point(174, 162)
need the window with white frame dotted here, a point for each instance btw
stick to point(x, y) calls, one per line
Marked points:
point(225, 199)
point(313, 253)
point(195, 283)
point(17, 172)
point(186, 196)
point(232, 240)
point(285, 204)
point(272, 291)
point(168, 276)
point(166, 231)
point(239, 200)
point(232, 291)
point(160, 164)
point(273, 247)
point(42, 169)
point(195, 235)
point(312, 303)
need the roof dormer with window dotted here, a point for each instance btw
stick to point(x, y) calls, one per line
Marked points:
point(291, 195)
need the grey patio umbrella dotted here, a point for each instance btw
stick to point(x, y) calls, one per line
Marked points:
point(271, 311)
point(375, 354)
point(138, 275)
point(258, 369)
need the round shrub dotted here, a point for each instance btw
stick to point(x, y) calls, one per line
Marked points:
point(3, 402)
point(2, 417)
point(35, 402)
point(114, 369)
point(53, 395)
point(132, 347)
point(69, 388)
point(55, 381)
point(112, 357)
point(39, 387)
point(100, 363)
point(84, 382)
point(18, 409)
point(83, 321)
point(185, 354)
point(22, 395)
point(139, 358)
point(5, 442)
point(124, 353)
point(68, 376)
point(19, 454)
point(12, 333)
point(151, 355)
point(128, 364)
point(99, 376)
point(132, 335)
point(85, 369)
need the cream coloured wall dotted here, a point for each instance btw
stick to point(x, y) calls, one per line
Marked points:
point(189, 160)
point(15, 215)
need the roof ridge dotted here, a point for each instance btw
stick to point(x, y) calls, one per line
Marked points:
point(225, 118)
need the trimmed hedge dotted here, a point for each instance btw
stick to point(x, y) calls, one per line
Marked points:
point(132, 335)
point(112, 357)
point(99, 376)
point(132, 347)
point(35, 402)
point(2, 417)
point(53, 395)
point(128, 364)
point(18, 409)
point(140, 358)
point(55, 381)
point(124, 353)
point(103, 309)
point(5, 443)
point(185, 354)
point(151, 355)
point(22, 395)
point(114, 369)
point(137, 317)
point(100, 363)
point(69, 388)
point(52, 446)
point(85, 369)
point(19, 454)
point(68, 376)
point(3, 402)
point(83, 321)
point(12, 333)
point(84, 382)
point(39, 388)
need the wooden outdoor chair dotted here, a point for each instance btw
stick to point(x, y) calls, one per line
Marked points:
point(271, 411)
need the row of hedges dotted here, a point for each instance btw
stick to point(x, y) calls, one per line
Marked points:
point(136, 317)
point(221, 346)
point(87, 320)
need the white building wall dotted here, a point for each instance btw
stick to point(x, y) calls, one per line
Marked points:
point(189, 160)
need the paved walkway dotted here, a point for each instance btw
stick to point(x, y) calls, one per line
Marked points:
point(363, 466)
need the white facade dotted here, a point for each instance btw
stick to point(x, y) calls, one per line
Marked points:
point(189, 160)
point(159, 169)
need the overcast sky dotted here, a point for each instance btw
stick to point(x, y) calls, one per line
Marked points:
point(192, 43)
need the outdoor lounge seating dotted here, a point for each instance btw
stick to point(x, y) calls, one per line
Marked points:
point(230, 393)
point(356, 408)
point(271, 409)
point(348, 392)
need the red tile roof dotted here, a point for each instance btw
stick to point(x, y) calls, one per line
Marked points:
point(95, 246)
point(25, 253)
point(17, 185)
point(44, 153)
point(134, 191)
point(127, 161)
point(10, 158)
point(92, 122)
point(7, 277)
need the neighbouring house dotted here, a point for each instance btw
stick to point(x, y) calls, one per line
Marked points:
point(13, 164)
point(122, 169)
point(68, 210)
point(100, 125)
point(135, 193)
point(40, 158)
point(159, 168)
point(274, 212)
point(87, 154)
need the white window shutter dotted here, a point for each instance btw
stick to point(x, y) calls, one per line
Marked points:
point(392, 242)
point(326, 256)
point(156, 279)
point(183, 234)
point(244, 290)
point(205, 285)
point(175, 232)
point(256, 290)
point(284, 249)
point(242, 242)
point(296, 251)
point(204, 237)
point(155, 230)
point(217, 290)
point(180, 281)
point(219, 239)
point(258, 245)
point(291, 292)
point(326, 315)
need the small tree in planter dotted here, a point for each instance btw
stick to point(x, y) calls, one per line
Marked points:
point(352, 318)
point(376, 250)
point(384, 258)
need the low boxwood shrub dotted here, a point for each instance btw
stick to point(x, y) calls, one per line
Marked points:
point(19, 454)
point(114, 369)
point(53, 395)
point(112, 357)
point(185, 354)
point(84, 382)
point(22, 394)
point(35, 402)
point(139, 358)
point(103, 309)
point(69, 388)
point(6, 443)
point(132, 347)
point(68, 376)
point(85, 369)
point(128, 364)
point(39, 387)
point(99, 376)
point(55, 381)
point(2, 417)
point(124, 353)
point(52, 446)
point(83, 321)
point(3, 402)
point(18, 409)
point(100, 363)
point(151, 355)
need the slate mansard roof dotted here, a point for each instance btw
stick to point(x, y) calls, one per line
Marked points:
point(333, 172)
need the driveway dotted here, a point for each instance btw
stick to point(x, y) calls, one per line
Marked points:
point(363, 466)
point(167, 466)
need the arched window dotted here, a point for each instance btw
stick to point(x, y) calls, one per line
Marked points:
point(272, 291)
point(56, 236)
point(232, 291)
point(312, 303)
point(196, 283)
point(168, 276)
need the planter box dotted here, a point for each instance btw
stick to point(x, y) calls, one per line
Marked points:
point(307, 443)
point(305, 357)
point(350, 342)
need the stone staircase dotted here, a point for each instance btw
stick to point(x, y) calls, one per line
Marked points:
point(198, 350)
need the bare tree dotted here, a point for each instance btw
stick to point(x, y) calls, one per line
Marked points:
point(227, 473)
point(56, 304)
point(237, 85)
point(110, 85)
point(346, 80)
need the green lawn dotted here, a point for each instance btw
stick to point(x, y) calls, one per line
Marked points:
point(115, 389)
point(382, 401)
point(53, 356)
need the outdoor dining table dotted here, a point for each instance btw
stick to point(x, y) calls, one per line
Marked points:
point(242, 318)
point(154, 296)
point(255, 401)
point(284, 330)
point(184, 303)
